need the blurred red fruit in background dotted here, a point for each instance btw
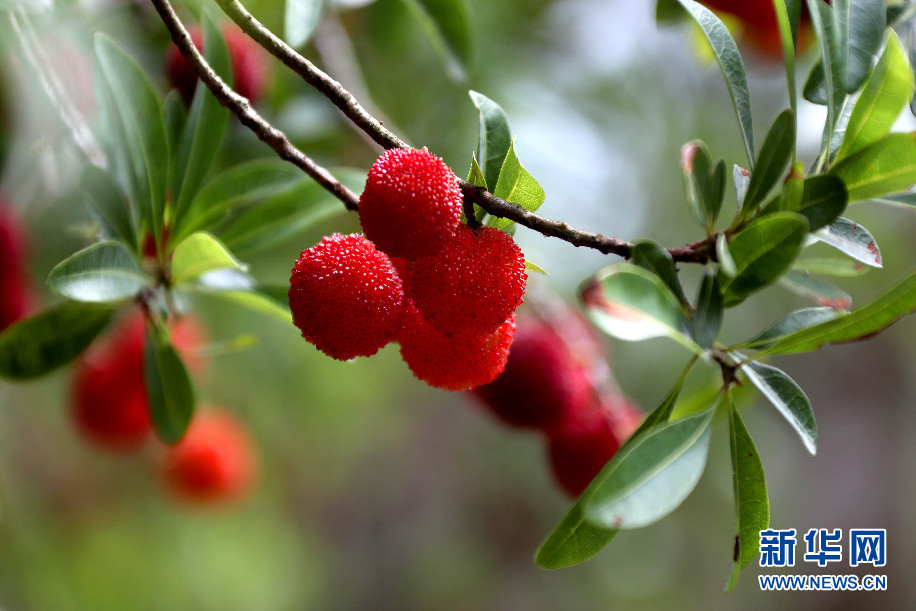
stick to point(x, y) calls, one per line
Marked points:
point(15, 291)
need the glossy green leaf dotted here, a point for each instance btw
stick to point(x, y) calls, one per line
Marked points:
point(534, 267)
point(815, 89)
point(198, 254)
point(762, 251)
point(852, 239)
point(752, 505)
point(651, 478)
point(652, 257)
point(794, 321)
point(475, 174)
point(494, 137)
point(103, 272)
point(788, 399)
point(707, 319)
point(863, 323)
point(860, 29)
point(887, 92)
point(825, 28)
point(704, 182)
point(831, 266)
point(300, 19)
point(632, 304)
point(824, 294)
point(168, 387)
point(447, 24)
point(518, 186)
point(823, 200)
point(885, 166)
point(109, 207)
point(280, 217)
point(775, 157)
point(204, 129)
point(140, 119)
point(732, 66)
point(37, 345)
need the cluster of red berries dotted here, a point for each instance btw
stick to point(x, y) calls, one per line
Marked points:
point(215, 460)
point(14, 278)
point(557, 381)
point(447, 293)
point(248, 60)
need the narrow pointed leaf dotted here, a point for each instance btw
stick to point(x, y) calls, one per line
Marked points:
point(860, 28)
point(198, 254)
point(707, 319)
point(168, 387)
point(825, 28)
point(788, 399)
point(824, 294)
point(852, 239)
point(105, 198)
point(794, 321)
point(50, 339)
point(518, 186)
point(704, 182)
point(831, 266)
point(448, 27)
point(494, 137)
point(103, 272)
point(775, 157)
point(752, 505)
point(815, 89)
point(652, 257)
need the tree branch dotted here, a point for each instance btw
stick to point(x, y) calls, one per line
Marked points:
point(249, 117)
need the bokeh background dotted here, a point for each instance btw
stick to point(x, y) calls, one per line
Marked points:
point(378, 492)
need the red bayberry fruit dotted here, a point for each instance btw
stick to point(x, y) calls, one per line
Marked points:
point(249, 65)
point(544, 382)
point(214, 462)
point(346, 297)
point(581, 448)
point(760, 25)
point(457, 362)
point(14, 284)
point(411, 204)
point(109, 394)
point(473, 285)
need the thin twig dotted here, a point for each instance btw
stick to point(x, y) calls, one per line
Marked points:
point(249, 117)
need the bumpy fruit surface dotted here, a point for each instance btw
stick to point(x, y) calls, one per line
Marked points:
point(411, 204)
point(14, 283)
point(544, 382)
point(249, 65)
point(457, 362)
point(214, 462)
point(585, 444)
point(473, 285)
point(346, 297)
point(109, 404)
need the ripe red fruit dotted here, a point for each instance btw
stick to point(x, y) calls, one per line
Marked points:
point(457, 362)
point(214, 462)
point(411, 204)
point(581, 448)
point(346, 297)
point(249, 65)
point(14, 284)
point(109, 404)
point(545, 380)
point(760, 26)
point(473, 285)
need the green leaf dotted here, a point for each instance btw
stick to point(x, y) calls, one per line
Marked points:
point(534, 267)
point(885, 166)
point(831, 266)
point(887, 91)
point(448, 27)
point(280, 217)
point(168, 387)
point(863, 323)
point(788, 14)
point(825, 28)
point(860, 28)
point(37, 345)
point(237, 185)
point(652, 257)
point(900, 200)
point(899, 14)
point(794, 321)
point(300, 19)
point(793, 191)
point(742, 179)
point(704, 182)
point(105, 198)
point(175, 118)
point(823, 200)
point(204, 129)
point(815, 89)
point(752, 505)
point(724, 256)
point(822, 293)
point(632, 304)
point(732, 66)
point(140, 121)
point(670, 11)
point(241, 289)
point(103, 272)
point(494, 137)
point(516, 185)
point(574, 540)
point(652, 477)
point(198, 254)
point(475, 174)
point(707, 319)
point(775, 157)
point(762, 251)
point(788, 399)
point(852, 239)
